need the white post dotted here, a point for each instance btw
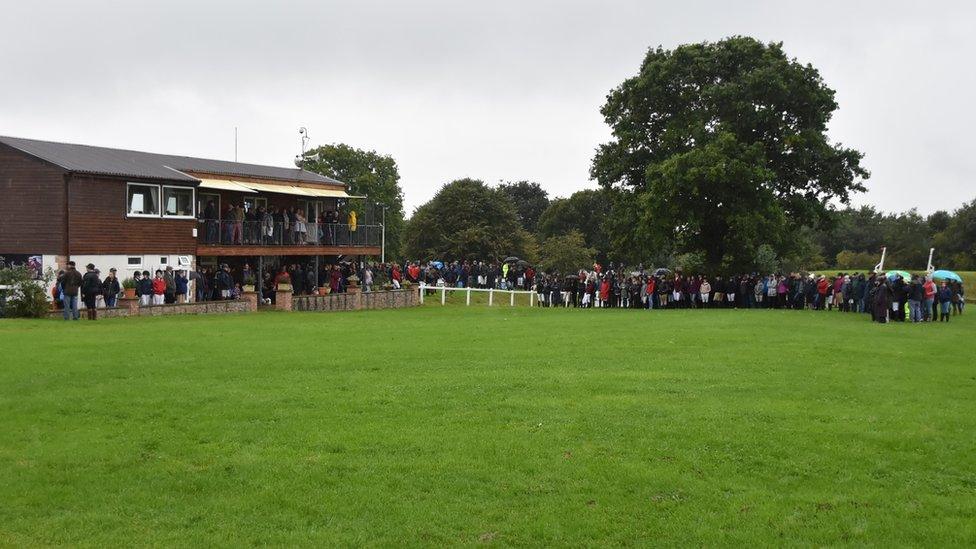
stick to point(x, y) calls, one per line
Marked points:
point(443, 294)
point(491, 296)
point(421, 293)
point(468, 300)
point(532, 299)
point(931, 268)
point(880, 266)
point(511, 302)
point(383, 239)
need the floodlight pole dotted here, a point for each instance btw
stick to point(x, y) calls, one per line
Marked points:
point(930, 268)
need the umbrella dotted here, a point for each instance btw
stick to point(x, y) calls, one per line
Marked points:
point(661, 272)
point(510, 259)
point(437, 264)
point(947, 275)
point(904, 274)
point(523, 263)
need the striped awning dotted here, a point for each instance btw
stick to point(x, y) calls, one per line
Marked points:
point(224, 185)
point(248, 187)
point(280, 189)
point(329, 193)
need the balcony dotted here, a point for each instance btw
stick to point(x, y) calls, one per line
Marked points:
point(253, 238)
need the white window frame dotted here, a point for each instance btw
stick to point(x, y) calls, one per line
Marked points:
point(128, 204)
point(131, 266)
point(193, 202)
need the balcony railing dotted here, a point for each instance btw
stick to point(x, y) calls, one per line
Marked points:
point(256, 233)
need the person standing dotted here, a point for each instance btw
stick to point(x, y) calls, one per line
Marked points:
point(70, 286)
point(170, 295)
point(705, 290)
point(182, 286)
point(915, 296)
point(91, 288)
point(945, 301)
point(111, 288)
point(928, 296)
point(158, 289)
point(144, 289)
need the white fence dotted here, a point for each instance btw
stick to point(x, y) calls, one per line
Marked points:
point(467, 301)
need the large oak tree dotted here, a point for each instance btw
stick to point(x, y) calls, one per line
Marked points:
point(724, 146)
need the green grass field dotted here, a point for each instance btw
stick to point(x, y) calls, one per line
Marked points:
point(508, 426)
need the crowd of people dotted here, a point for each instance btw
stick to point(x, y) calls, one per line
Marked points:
point(886, 298)
point(239, 224)
point(917, 299)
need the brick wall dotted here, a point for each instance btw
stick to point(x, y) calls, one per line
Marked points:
point(201, 308)
point(395, 299)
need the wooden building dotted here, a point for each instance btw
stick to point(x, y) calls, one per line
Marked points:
point(141, 211)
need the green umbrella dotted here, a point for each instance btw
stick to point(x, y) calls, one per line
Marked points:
point(904, 274)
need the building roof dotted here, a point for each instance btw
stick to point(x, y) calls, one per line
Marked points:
point(87, 159)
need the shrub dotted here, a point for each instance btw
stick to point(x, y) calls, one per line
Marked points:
point(28, 297)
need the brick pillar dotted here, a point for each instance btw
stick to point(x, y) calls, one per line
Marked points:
point(131, 305)
point(283, 300)
point(252, 301)
point(355, 297)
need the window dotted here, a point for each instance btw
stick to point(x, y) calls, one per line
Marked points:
point(134, 262)
point(143, 200)
point(177, 201)
point(251, 204)
point(162, 260)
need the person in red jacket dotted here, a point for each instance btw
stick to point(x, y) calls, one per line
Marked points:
point(159, 288)
point(929, 290)
point(822, 288)
point(605, 292)
point(649, 290)
point(396, 277)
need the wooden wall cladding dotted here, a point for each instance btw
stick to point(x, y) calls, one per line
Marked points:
point(98, 223)
point(31, 204)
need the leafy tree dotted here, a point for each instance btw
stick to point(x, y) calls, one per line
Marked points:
point(584, 211)
point(565, 253)
point(466, 220)
point(855, 260)
point(370, 174)
point(736, 132)
point(530, 201)
point(766, 260)
point(939, 221)
point(956, 245)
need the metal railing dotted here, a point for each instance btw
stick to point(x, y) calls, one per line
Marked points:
point(256, 233)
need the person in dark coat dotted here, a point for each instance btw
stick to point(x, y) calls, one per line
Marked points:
point(70, 286)
point(882, 300)
point(91, 288)
point(111, 288)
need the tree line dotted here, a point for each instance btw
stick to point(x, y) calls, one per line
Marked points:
point(719, 160)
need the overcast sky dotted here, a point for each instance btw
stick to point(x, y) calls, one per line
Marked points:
point(499, 90)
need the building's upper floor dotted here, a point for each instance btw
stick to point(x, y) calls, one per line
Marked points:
point(65, 198)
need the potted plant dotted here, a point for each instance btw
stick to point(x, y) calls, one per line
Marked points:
point(249, 281)
point(284, 283)
point(324, 290)
point(352, 281)
point(129, 287)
